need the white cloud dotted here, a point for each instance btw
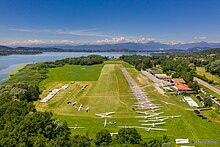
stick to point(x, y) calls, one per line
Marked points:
point(82, 33)
point(30, 30)
point(64, 32)
point(200, 37)
point(113, 40)
point(123, 40)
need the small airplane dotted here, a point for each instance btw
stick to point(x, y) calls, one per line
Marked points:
point(145, 117)
point(114, 133)
point(105, 123)
point(146, 129)
point(153, 120)
point(127, 126)
point(87, 109)
point(74, 103)
point(154, 129)
point(153, 124)
point(174, 116)
point(154, 110)
point(105, 115)
point(157, 118)
point(157, 114)
point(76, 127)
point(152, 107)
point(80, 107)
point(148, 112)
point(167, 117)
point(168, 103)
point(112, 123)
point(144, 112)
point(151, 115)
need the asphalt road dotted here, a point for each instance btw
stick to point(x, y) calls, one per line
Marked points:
point(207, 85)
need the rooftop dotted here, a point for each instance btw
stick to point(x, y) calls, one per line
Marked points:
point(162, 76)
point(178, 80)
point(181, 86)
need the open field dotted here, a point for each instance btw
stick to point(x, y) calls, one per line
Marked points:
point(110, 92)
point(73, 73)
point(201, 71)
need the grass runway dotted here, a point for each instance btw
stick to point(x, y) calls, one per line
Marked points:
point(109, 91)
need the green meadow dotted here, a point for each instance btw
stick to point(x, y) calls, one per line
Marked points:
point(201, 71)
point(73, 73)
point(108, 90)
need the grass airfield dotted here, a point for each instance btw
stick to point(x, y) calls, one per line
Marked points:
point(109, 91)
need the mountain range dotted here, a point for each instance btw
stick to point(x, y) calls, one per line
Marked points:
point(149, 46)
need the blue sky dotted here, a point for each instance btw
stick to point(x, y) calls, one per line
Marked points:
point(108, 21)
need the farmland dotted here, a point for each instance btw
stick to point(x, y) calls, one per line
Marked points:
point(108, 90)
point(201, 71)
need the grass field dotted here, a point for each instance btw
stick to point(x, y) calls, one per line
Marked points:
point(201, 71)
point(73, 73)
point(109, 92)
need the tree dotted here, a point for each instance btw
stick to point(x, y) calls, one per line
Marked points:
point(103, 138)
point(194, 85)
point(81, 141)
point(207, 102)
point(187, 76)
point(154, 143)
point(192, 66)
point(214, 67)
point(129, 136)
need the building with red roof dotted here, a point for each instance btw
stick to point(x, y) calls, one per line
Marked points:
point(180, 87)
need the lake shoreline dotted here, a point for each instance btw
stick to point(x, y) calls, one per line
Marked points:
point(11, 62)
point(12, 73)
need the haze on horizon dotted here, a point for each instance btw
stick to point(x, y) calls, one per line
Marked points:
point(26, 22)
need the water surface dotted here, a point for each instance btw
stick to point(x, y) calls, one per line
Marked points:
point(10, 63)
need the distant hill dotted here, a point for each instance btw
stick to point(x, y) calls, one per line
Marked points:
point(129, 46)
point(142, 46)
point(5, 47)
point(201, 44)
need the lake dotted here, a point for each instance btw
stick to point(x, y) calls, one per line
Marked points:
point(10, 63)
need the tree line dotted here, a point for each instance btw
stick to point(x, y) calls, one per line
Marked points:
point(18, 52)
point(125, 137)
point(138, 61)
